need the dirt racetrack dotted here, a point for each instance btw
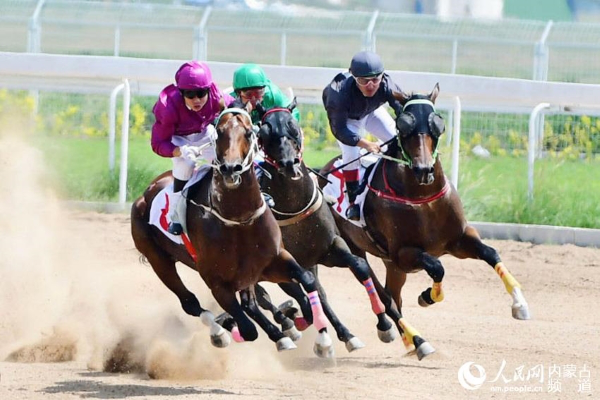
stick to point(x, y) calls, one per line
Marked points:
point(73, 295)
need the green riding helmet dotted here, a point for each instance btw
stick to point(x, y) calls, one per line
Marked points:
point(249, 76)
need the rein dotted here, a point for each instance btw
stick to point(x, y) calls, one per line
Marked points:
point(389, 193)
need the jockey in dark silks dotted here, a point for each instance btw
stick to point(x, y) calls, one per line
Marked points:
point(354, 102)
point(184, 113)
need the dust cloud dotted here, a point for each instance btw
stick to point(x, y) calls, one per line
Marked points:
point(65, 296)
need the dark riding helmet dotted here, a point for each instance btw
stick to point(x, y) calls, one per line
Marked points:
point(365, 64)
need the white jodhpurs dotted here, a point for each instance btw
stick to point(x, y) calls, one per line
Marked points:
point(379, 123)
point(184, 168)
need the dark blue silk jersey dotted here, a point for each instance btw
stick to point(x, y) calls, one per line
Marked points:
point(343, 100)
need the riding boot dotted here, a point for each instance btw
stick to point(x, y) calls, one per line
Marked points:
point(268, 199)
point(175, 204)
point(353, 211)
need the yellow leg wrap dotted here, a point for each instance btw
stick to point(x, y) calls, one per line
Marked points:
point(409, 332)
point(509, 281)
point(437, 294)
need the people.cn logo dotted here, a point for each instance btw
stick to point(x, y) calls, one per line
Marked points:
point(466, 377)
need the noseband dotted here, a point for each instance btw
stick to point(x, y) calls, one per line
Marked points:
point(248, 161)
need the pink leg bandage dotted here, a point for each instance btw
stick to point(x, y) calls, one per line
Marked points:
point(376, 304)
point(236, 335)
point(319, 319)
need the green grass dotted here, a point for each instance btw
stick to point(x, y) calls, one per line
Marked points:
point(566, 193)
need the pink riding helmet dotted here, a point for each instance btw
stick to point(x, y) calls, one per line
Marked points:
point(193, 75)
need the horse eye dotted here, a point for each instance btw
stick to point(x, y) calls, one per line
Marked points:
point(436, 124)
point(405, 124)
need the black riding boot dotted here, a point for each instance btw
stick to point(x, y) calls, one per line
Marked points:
point(175, 227)
point(353, 211)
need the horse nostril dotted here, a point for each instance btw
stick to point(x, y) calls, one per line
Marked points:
point(223, 168)
point(281, 163)
point(296, 161)
point(237, 168)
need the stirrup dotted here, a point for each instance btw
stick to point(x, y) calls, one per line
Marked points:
point(175, 228)
point(353, 212)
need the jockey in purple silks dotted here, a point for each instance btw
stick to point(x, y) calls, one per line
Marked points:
point(354, 102)
point(184, 113)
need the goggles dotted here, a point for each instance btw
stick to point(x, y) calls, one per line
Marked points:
point(253, 93)
point(362, 81)
point(190, 94)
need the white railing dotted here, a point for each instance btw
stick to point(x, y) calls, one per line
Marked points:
point(95, 74)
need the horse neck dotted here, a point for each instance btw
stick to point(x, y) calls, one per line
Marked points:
point(290, 195)
point(239, 202)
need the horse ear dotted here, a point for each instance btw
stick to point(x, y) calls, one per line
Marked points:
point(293, 104)
point(436, 124)
point(434, 93)
point(263, 133)
point(401, 97)
point(259, 108)
point(405, 124)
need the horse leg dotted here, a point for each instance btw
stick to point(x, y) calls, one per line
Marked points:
point(250, 306)
point(340, 255)
point(350, 341)
point(243, 329)
point(471, 246)
point(435, 270)
point(295, 291)
point(395, 280)
point(285, 268)
point(264, 301)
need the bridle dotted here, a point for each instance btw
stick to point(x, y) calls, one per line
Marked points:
point(248, 161)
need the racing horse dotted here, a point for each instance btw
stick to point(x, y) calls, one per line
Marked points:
point(413, 215)
point(237, 240)
point(307, 224)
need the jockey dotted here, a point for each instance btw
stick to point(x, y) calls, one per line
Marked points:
point(184, 113)
point(355, 104)
point(250, 84)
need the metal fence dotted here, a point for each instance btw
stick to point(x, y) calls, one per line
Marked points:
point(561, 51)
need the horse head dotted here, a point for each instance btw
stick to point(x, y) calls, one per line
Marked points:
point(419, 128)
point(280, 138)
point(235, 145)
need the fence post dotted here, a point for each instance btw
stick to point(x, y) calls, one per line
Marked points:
point(124, 145)
point(283, 54)
point(532, 146)
point(455, 141)
point(200, 51)
point(112, 120)
point(540, 57)
point(369, 40)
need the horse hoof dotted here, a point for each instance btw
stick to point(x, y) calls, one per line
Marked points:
point(285, 343)
point(293, 333)
point(422, 302)
point(323, 347)
point(221, 339)
point(354, 344)
point(387, 336)
point(424, 350)
point(520, 311)
point(520, 308)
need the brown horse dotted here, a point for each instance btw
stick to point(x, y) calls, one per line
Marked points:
point(307, 224)
point(414, 215)
point(237, 240)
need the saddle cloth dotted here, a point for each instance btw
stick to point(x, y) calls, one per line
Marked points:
point(159, 210)
point(335, 189)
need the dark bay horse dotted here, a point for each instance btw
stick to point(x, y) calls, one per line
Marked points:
point(414, 215)
point(306, 222)
point(237, 240)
